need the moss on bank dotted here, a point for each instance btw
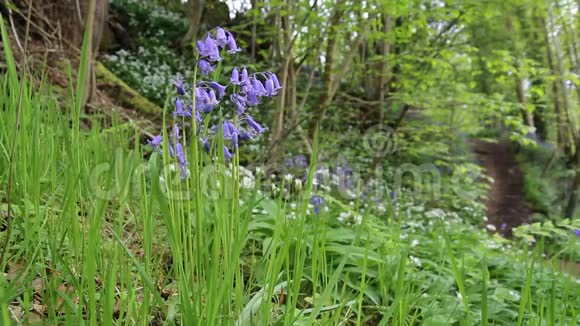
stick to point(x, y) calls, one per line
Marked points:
point(123, 93)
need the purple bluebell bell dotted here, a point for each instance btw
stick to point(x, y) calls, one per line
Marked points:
point(220, 37)
point(227, 154)
point(155, 142)
point(179, 85)
point(244, 78)
point(205, 101)
point(212, 98)
point(577, 232)
point(254, 125)
point(175, 132)
point(231, 45)
point(239, 102)
point(198, 117)
point(205, 67)
point(275, 81)
point(180, 111)
point(231, 132)
point(221, 89)
point(258, 87)
point(244, 135)
point(301, 161)
point(253, 100)
point(317, 202)
point(179, 154)
point(235, 78)
point(208, 48)
point(270, 89)
point(206, 144)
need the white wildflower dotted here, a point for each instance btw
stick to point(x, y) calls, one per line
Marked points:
point(491, 227)
point(415, 260)
point(247, 182)
point(298, 184)
point(343, 216)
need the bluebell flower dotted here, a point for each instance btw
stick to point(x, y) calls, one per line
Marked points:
point(231, 132)
point(209, 48)
point(231, 45)
point(239, 102)
point(179, 111)
point(221, 37)
point(256, 126)
point(212, 98)
point(179, 154)
point(252, 98)
point(155, 142)
point(179, 86)
point(275, 81)
point(244, 78)
point(317, 202)
point(175, 132)
point(258, 87)
point(227, 155)
point(270, 89)
point(205, 67)
point(207, 94)
point(218, 88)
point(235, 78)
point(244, 135)
point(301, 161)
point(205, 101)
point(577, 232)
point(206, 144)
point(198, 118)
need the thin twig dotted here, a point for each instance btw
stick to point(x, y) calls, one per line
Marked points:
point(14, 30)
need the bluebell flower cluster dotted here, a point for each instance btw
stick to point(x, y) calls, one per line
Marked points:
point(297, 162)
point(197, 102)
point(175, 148)
point(317, 202)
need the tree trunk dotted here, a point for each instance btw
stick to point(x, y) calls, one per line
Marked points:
point(527, 116)
point(573, 199)
point(287, 95)
point(94, 15)
point(328, 76)
point(194, 14)
point(555, 93)
point(385, 69)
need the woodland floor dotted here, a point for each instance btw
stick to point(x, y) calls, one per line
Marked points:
point(506, 204)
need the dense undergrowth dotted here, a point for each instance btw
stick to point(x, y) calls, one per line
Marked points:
point(101, 230)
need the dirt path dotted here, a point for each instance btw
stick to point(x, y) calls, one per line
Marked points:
point(506, 205)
